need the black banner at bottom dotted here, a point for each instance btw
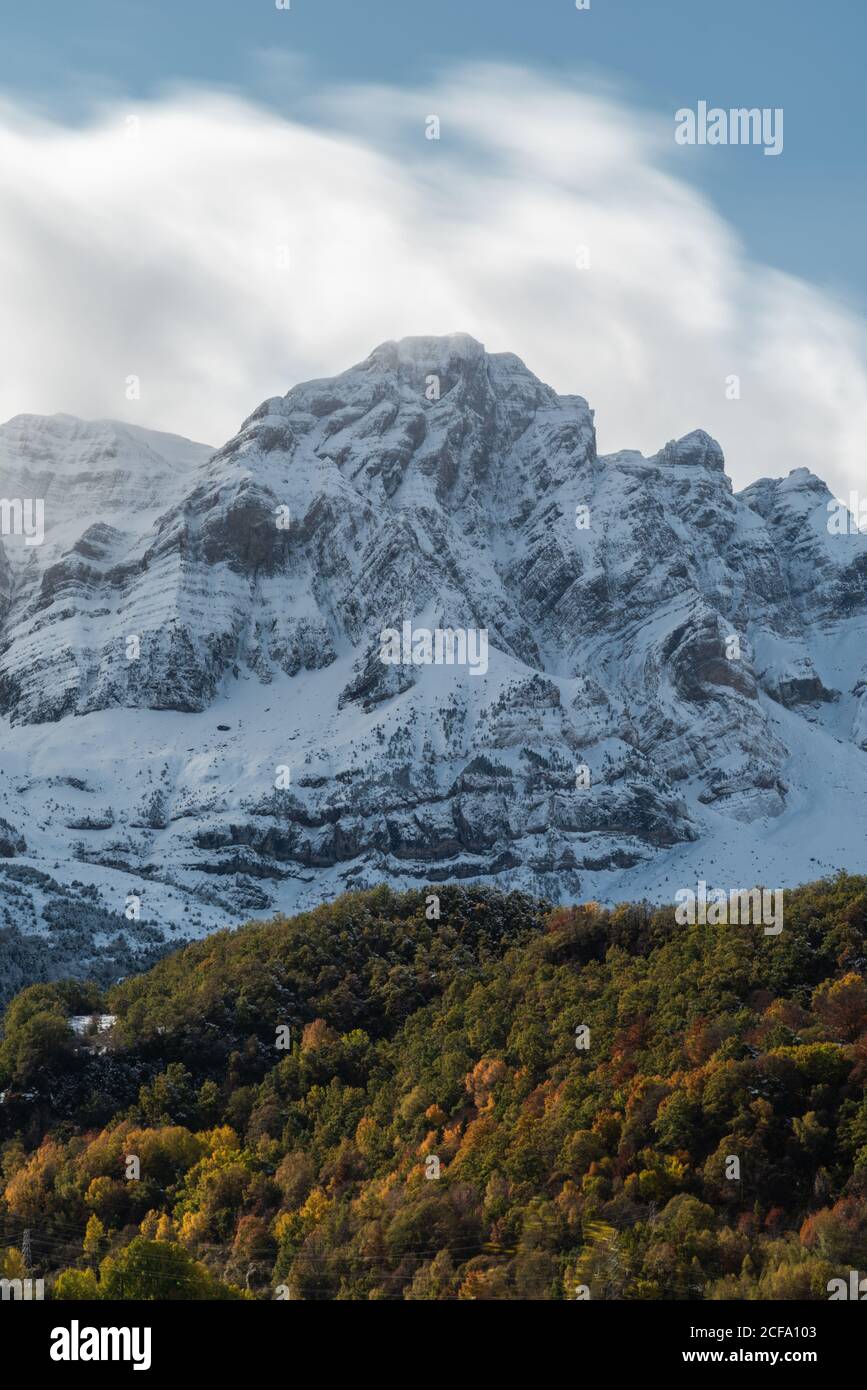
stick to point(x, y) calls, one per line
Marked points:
point(64, 1339)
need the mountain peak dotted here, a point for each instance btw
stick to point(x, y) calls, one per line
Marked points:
point(698, 449)
point(453, 358)
point(798, 478)
point(66, 441)
point(424, 348)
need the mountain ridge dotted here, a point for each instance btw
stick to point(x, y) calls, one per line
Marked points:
point(692, 653)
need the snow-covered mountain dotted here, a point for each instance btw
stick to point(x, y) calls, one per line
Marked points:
point(196, 715)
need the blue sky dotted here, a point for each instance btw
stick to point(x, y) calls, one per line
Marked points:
point(804, 212)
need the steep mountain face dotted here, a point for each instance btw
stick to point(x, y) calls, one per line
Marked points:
point(197, 715)
point(103, 486)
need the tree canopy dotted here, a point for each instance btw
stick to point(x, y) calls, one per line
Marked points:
point(504, 1101)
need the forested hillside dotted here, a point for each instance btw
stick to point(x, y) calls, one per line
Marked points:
point(507, 1101)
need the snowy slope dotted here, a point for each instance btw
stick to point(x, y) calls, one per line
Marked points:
point(701, 652)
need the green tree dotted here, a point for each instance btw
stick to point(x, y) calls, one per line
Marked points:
point(74, 1284)
point(158, 1270)
point(94, 1236)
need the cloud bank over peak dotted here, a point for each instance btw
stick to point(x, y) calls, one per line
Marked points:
point(218, 252)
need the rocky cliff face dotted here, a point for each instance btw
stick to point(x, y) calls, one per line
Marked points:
point(195, 710)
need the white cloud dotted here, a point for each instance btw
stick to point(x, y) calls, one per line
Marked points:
point(158, 256)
